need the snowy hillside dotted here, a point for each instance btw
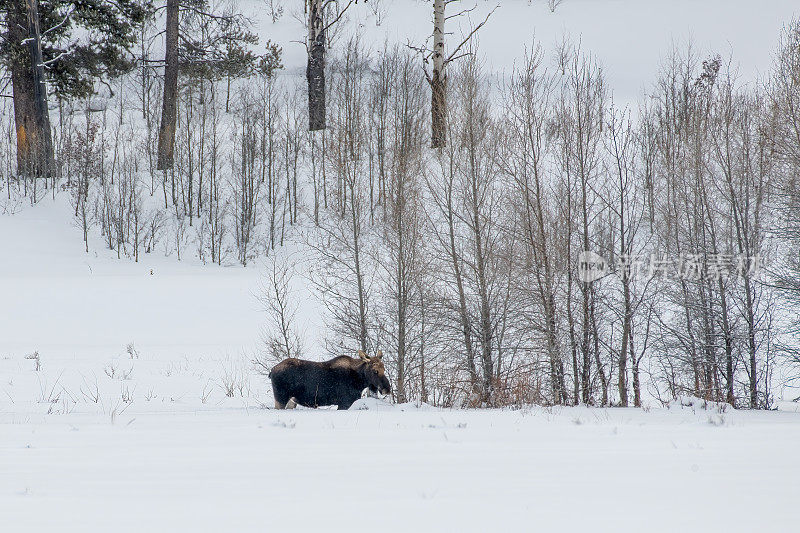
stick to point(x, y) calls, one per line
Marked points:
point(630, 38)
point(130, 401)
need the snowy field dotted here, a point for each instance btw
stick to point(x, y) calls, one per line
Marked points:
point(128, 400)
point(236, 469)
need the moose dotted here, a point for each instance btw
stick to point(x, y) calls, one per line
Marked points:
point(339, 381)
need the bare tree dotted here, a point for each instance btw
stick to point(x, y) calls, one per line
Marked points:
point(626, 200)
point(437, 55)
point(402, 223)
point(281, 336)
point(345, 277)
point(527, 159)
point(742, 151)
point(784, 95)
point(247, 185)
point(470, 229)
point(581, 113)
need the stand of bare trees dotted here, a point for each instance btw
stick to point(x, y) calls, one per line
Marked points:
point(462, 263)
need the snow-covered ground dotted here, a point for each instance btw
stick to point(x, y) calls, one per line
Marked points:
point(128, 401)
point(237, 469)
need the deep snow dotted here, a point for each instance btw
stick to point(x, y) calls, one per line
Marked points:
point(572, 469)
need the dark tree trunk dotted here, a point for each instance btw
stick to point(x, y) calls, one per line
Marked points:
point(169, 109)
point(751, 344)
point(438, 109)
point(637, 390)
point(31, 116)
point(315, 69)
point(622, 384)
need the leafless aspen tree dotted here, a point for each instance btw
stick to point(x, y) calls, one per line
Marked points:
point(681, 109)
point(744, 170)
point(281, 336)
point(626, 200)
point(247, 185)
point(83, 147)
point(473, 209)
point(581, 114)
point(402, 223)
point(437, 78)
point(784, 95)
point(527, 160)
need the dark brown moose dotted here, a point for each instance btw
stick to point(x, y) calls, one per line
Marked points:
point(339, 381)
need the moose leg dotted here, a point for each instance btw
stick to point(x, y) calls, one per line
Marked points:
point(279, 405)
point(292, 403)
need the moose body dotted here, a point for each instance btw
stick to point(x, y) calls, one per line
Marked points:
point(339, 381)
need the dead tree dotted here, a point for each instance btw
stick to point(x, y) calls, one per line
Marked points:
point(437, 78)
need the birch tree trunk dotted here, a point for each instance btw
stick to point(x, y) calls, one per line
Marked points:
point(315, 68)
point(438, 79)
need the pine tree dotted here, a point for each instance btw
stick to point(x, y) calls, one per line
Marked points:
point(203, 43)
point(76, 44)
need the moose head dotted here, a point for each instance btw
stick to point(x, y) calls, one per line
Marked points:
point(375, 373)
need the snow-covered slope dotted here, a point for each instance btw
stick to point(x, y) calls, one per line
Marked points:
point(629, 38)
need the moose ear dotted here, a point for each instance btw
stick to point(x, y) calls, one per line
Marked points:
point(380, 355)
point(362, 355)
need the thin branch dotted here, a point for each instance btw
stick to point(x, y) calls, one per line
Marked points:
point(468, 37)
point(339, 16)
